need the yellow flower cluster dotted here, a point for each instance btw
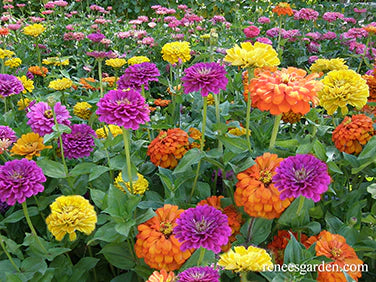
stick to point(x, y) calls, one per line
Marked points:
point(326, 65)
point(116, 63)
point(103, 132)
point(82, 110)
point(243, 260)
point(23, 103)
point(252, 56)
point(56, 61)
point(71, 213)
point(342, 88)
point(173, 51)
point(34, 30)
point(28, 84)
point(139, 186)
point(61, 84)
point(237, 131)
point(137, 60)
point(4, 53)
point(13, 63)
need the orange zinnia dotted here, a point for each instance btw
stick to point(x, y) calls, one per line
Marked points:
point(256, 192)
point(36, 70)
point(284, 90)
point(161, 276)
point(353, 133)
point(235, 219)
point(161, 102)
point(168, 147)
point(371, 82)
point(111, 80)
point(157, 244)
point(283, 8)
point(334, 247)
point(370, 109)
point(4, 31)
point(195, 134)
point(256, 73)
point(84, 81)
point(29, 145)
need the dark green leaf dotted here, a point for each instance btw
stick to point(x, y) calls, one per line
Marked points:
point(97, 171)
point(81, 269)
point(190, 158)
point(82, 168)
point(119, 255)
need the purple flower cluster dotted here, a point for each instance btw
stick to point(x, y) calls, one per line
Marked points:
point(137, 75)
point(332, 16)
point(302, 175)
point(263, 20)
point(274, 32)
point(306, 14)
point(9, 85)
point(202, 226)
point(264, 40)
point(199, 274)
point(20, 179)
point(96, 37)
point(123, 108)
point(80, 142)
point(101, 54)
point(354, 33)
point(292, 34)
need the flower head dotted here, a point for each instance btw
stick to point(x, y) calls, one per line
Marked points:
point(168, 147)
point(205, 77)
point(7, 137)
point(107, 129)
point(255, 190)
point(20, 179)
point(56, 61)
point(202, 226)
point(302, 175)
point(137, 75)
point(70, 214)
point(291, 117)
point(342, 88)
point(251, 31)
point(173, 51)
point(242, 260)
point(29, 145)
point(82, 110)
point(13, 63)
point(37, 71)
point(283, 8)
point(9, 85)
point(371, 82)
point(101, 54)
point(327, 65)
point(138, 60)
point(156, 241)
point(4, 53)
point(61, 84)
point(23, 104)
point(80, 142)
point(123, 108)
point(87, 83)
point(116, 63)
point(96, 37)
point(199, 273)
point(306, 14)
point(161, 276)
point(139, 186)
point(28, 84)
point(34, 30)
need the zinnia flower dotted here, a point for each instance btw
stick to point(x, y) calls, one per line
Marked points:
point(28, 84)
point(116, 63)
point(41, 119)
point(107, 129)
point(29, 145)
point(302, 175)
point(242, 260)
point(9, 85)
point(161, 276)
point(342, 88)
point(168, 147)
point(56, 61)
point(139, 186)
point(205, 77)
point(255, 56)
point(13, 63)
point(156, 242)
point(173, 51)
point(137, 75)
point(161, 102)
point(283, 8)
point(23, 104)
point(284, 90)
point(34, 30)
point(70, 214)
point(61, 84)
point(327, 65)
point(199, 273)
point(202, 226)
point(4, 53)
point(123, 108)
point(138, 60)
point(82, 110)
point(20, 179)
point(37, 71)
point(353, 133)
point(371, 82)
point(7, 138)
point(255, 190)
point(96, 37)
point(80, 142)
point(87, 82)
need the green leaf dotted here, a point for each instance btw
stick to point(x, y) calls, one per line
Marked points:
point(34, 264)
point(293, 252)
point(82, 168)
point(52, 169)
point(116, 203)
point(149, 213)
point(98, 197)
point(334, 223)
point(369, 150)
point(208, 259)
point(319, 150)
point(190, 158)
point(61, 128)
point(119, 255)
point(19, 215)
point(372, 190)
point(81, 269)
point(260, 230)
point(54, 252)
point(166, 177)
point(290, 216)
point(333, 167)
point(123, 228)
point(107, 233)
point(97, 171)
point(236, 144)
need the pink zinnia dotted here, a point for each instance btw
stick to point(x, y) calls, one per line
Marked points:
point(80, 142)
point(251, 31)
point(306, 14)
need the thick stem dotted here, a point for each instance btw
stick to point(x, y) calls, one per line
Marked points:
point(8, 255)
point(128, 157)
point(60, 141)
point(243, 277)
point(275, 131)
point(201, 256)
point(300, 206)
point(250, 227)
point(217, 99)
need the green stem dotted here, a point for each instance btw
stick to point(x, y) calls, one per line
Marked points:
point(60, 141)
point(248, 113)
point(243, 277)
point(26, 213)
point(5, 104)
point(128, 156)
point(201, 256)
point(279, 35)
point(275, 131)
point(100, 76)
point(250, 227)
point(217, 100)
point(300, 206)
point(364, 54)
point(39, 55)
point(8, 255)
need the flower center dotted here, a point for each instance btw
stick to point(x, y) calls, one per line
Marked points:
point(16, 175)
point(265, 177)
point(48, 114)
point(203, 71)
point(166, 228)
point(163, 136)
point(336, 252)
point(124, 101)
point(301, 174)
point(201, 226)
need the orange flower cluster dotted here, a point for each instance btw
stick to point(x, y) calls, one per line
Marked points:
point(36, 70)
point(371, 82)
point(195, 134)
point(157, 244)
point(161, 102)
point(291, 117)
point(161, 276)
point(168, 147)
point(235, 219)
point(110, 80)
point(29, 145)
point(370, 29)
point(282, 9)
point(256, 73)
point(84, 82)
point(353, 133)
point(279, 244)
point(284, 90)
point(4, 31)
point(256, 192)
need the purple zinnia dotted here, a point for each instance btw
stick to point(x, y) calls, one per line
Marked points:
point(123, 108)
point(137, 75)
point(80, 142)
point(7, 137)
point(101, 54)
point(9, 85)
point(303, 175)
point(41, 119)
point(199, 274)
point(95, 37)
point(20, 179)
point(206, 78)
point(202, 226)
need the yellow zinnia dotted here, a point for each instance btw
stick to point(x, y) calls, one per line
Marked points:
point(56, 61)
point(173, 51)
point(82, 110)
point(138, 60)
point(243, 260)
point(139, 186)
point(28, 84)
point(103, 131)
point(29, 145)
point(342, 88)
point(34, 30)
point(71, 213)
point(256, 56)
point(4, 53)
point(116, 63)
point(23, 103)
point(326, 65)
point(13, 63)
point(61, 84)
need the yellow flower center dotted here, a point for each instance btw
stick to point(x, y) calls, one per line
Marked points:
point(265, 177)
point(124, 101)
point(166, 228)
point(48, 114)
point(336, 252)
point(164, 135)
point(201, 226)
point(301, 174)
point(16, 175)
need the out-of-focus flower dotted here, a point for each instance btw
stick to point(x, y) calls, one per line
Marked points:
point(211, 100)
point(342, 88)
point(138, 60)
point(70, 214)
point(101, 54)
point(168, 147)
point(7, 138)
point(28, 84)
point(139, 186)
point(105, 131)
point(243, 260)
point(371, 82)
point(161, 102)
point(61, 84)
point(371, 29)
point(23, 104)
point(80, 142)
point(116, 63)
point(19, 180)
point(110, 80)
point(82, 110)
point(13, 63)
point(306, 14)
point(4, 31)
point(353, 133)
point(36, 70)
point(327, 65)
point(173, 51)
point(282, 9)
point(96, 37)
point(87, 83)
point(137, 75)
point(199, 273)
point(34, 30)
point(332, 16)
point(9, 85)
point(156, 242)
point(291, 117)
point(251, 31)
point(161, 276)
point(4, 53)
point(263, 20)
point(256, 192)
point(29, 145)
point(56, 61)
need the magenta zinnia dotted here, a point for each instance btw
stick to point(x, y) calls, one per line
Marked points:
point(206, 78)
point(20, 179)
point(123, 108)
point(9, 85)
point(199, 273)
point(7, 137)
point(302, 175)
point(202, 226)
point(80, 142)
point(137, 75)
